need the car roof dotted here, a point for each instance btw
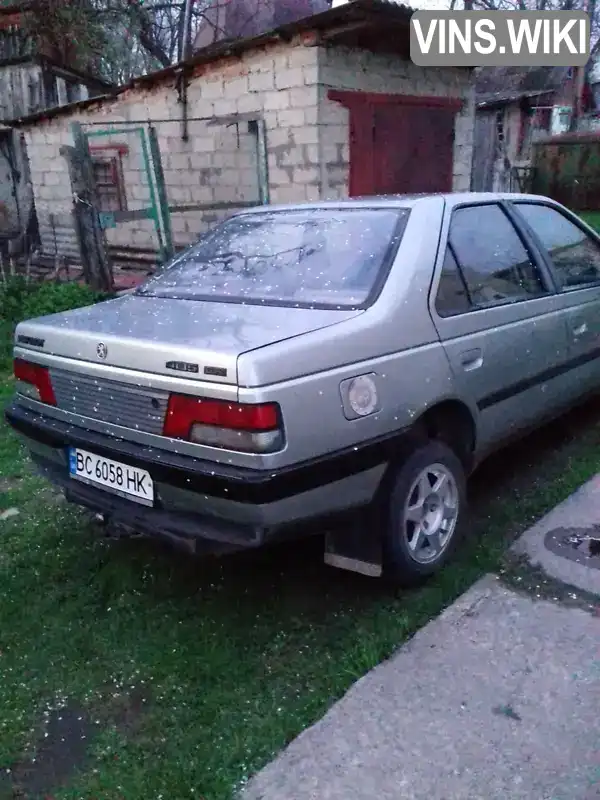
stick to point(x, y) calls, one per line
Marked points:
point(398, 201)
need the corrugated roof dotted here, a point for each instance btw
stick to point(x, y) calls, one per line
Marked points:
point(387, 12)
point(496, 85)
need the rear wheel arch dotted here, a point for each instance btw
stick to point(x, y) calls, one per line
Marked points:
point(451, 422)
point(448, 421)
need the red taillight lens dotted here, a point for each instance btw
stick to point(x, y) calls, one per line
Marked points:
point(37, 376)
point(184, 411)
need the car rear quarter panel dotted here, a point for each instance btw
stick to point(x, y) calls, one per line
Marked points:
point(395, 340)
point(398, 320)
point(407, 383)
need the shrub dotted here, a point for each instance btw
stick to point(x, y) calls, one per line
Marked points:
point(6, 342)
point(12, 298)
point(51, 298)
point(21, 300)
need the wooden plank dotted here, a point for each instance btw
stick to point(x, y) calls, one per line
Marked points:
point(214, 206)
point(484, 152)
point(133, 214)
point(97, 268)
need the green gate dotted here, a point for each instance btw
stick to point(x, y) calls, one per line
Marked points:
point(157, 208)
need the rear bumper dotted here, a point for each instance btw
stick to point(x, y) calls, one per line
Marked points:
point(201, 499)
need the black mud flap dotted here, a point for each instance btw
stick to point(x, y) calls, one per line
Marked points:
point(356, 548)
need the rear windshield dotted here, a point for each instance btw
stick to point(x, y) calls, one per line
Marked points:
point(312, 258)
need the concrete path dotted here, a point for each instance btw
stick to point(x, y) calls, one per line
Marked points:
point(497, 699)
point(565, 544)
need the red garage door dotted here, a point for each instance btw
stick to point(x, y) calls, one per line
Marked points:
point(399, 144)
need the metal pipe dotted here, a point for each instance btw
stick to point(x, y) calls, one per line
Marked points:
point(183, 98)
point(262, 160)
point(185, 54)
point(187, 24)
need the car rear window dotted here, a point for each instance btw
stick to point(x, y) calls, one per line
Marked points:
point(335, 257)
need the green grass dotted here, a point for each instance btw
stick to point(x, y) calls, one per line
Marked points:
point(592, 218)
point(220, 662)
point(6, 342)
point(190, 675)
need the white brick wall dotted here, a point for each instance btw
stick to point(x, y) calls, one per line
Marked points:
point(218, 164)
point(307, 136)
point(53, 198)
point(353, 70)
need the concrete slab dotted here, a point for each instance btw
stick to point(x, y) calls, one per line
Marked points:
point(497, 699)
point(560, 542)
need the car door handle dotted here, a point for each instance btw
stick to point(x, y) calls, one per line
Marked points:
point(580, 330)
point(471, 359)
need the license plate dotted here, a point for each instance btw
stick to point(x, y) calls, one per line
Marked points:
point(130, 482)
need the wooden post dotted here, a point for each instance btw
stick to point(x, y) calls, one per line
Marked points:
point(579, 78)
point(97, 269)
point(578, 86)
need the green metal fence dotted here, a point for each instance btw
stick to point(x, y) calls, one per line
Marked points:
point(157, 209)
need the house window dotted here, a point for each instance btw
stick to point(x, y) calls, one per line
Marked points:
point(542, 118)
point(50, 90)
point(73, 92)
point(34, 95)
point(109, 184)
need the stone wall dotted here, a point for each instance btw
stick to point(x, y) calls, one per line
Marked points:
point(51, 187)
point(217, 165)
point(208, 169)
point(362, 70)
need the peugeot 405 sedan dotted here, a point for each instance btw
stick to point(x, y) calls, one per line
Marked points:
point(340, 367)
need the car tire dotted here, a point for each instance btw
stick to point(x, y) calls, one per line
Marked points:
point(425, 510)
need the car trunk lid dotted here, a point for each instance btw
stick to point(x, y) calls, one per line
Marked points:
point(196, 339)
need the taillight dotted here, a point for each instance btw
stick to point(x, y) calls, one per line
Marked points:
point(34, 381)
point(253, 428)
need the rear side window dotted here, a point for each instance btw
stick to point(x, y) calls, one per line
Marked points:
point(452, 297)
point(574, 254)
point(486, 263)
